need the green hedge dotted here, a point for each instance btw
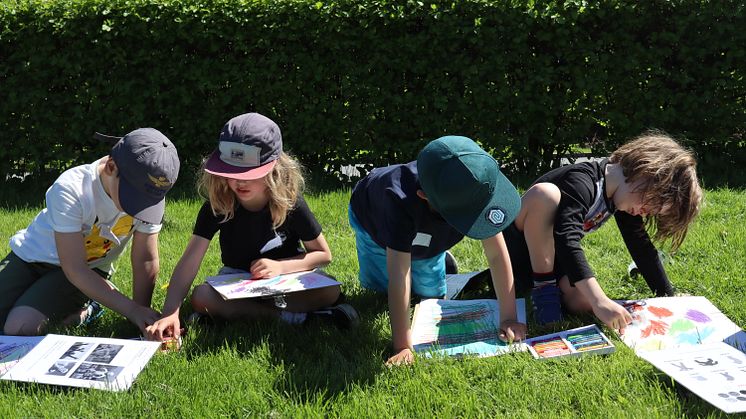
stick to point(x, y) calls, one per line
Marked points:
point(370, 81)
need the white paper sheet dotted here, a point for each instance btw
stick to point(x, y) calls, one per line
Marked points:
point(461, 327)
point(241, 285)
point(673, 322)
point(716, 372)
point(101, 363)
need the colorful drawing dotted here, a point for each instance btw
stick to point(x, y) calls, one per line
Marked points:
point(670, 322)
point(461, 327)
point(233, 286)
point(13, 348)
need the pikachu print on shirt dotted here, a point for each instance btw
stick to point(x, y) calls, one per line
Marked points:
point(104, 238)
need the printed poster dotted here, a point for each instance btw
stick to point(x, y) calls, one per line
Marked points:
point(461, 327)
point(76, 361)
point(716, 372)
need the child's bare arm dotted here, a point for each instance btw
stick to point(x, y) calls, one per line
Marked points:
point(398, 266)
point(498, 258)
point(612, 314)
point(71, 251)
point(317, 254)
point(178, 288)
point(145, 266)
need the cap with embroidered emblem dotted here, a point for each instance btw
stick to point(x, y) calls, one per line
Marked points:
point(248, 148)
point(464, 184)
point(148, 166)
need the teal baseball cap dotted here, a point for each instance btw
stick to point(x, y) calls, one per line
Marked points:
point(464, 184)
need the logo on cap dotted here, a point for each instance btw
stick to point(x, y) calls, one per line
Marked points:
point(237, 154)
point(496, 216)
point(159, 182)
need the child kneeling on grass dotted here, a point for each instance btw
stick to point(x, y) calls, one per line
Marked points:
point(255, 201)
point(59, 265)
point(406, 217)
point(649, 182)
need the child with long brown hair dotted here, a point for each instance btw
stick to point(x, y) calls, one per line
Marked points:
point(648, 184)
point(254, 199)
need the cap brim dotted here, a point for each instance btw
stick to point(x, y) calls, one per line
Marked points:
point(494, 217)
point(216, 166)
point(139, 206)
point(106, 138)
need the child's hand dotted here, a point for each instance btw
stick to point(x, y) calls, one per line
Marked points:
point(511, 331)
point(403, 357)
point(143, 317)
point(613, 315)
point(265, 268)
point(167, 327)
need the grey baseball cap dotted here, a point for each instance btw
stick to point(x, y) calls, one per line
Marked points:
point(464, 184)
point(148, 167)
point(248, 148)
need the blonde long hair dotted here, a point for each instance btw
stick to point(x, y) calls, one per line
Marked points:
point(668, 175)
point(285, 183)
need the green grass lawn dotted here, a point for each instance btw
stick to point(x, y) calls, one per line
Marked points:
point(276, 370)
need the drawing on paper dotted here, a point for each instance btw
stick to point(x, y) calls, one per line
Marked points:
point(234, 286)
point(670, 322)
point(13, 348)
point(461, 327)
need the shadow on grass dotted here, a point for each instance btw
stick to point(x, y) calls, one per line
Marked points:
point(319, 360)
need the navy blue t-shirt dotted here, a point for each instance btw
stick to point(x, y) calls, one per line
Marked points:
point(387, 206)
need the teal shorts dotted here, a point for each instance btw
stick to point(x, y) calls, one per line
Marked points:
point(41, 286)
point(428, 275)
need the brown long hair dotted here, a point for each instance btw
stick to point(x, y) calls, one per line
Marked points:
point(285, 183)
point(667, 173)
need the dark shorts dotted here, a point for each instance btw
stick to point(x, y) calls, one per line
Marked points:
point(41, 286)
point(520, 260)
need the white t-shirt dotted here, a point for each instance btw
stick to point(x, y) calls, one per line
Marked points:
point(77, 202)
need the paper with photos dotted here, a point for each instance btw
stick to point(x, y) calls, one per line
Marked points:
point(77, 361)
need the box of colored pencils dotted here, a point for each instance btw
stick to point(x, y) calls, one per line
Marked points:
point(575, 342)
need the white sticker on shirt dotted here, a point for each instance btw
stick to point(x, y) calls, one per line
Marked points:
point(272, 244)
point(422, 239)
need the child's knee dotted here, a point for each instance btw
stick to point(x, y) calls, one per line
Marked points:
point(330, 295)
point(538, 205)
point(24, 321)
point(202, 298)
point(542, 196)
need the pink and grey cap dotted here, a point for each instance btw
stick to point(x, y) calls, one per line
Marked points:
point(248, 148)
point(148, 167)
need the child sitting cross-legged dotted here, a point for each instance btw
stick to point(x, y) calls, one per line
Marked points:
point(255, 201)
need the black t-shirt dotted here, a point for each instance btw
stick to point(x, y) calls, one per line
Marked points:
point(386, 204)
point(582, 209)
point(249, 235)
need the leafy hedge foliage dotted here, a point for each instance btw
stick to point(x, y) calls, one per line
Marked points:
point(370, 81)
